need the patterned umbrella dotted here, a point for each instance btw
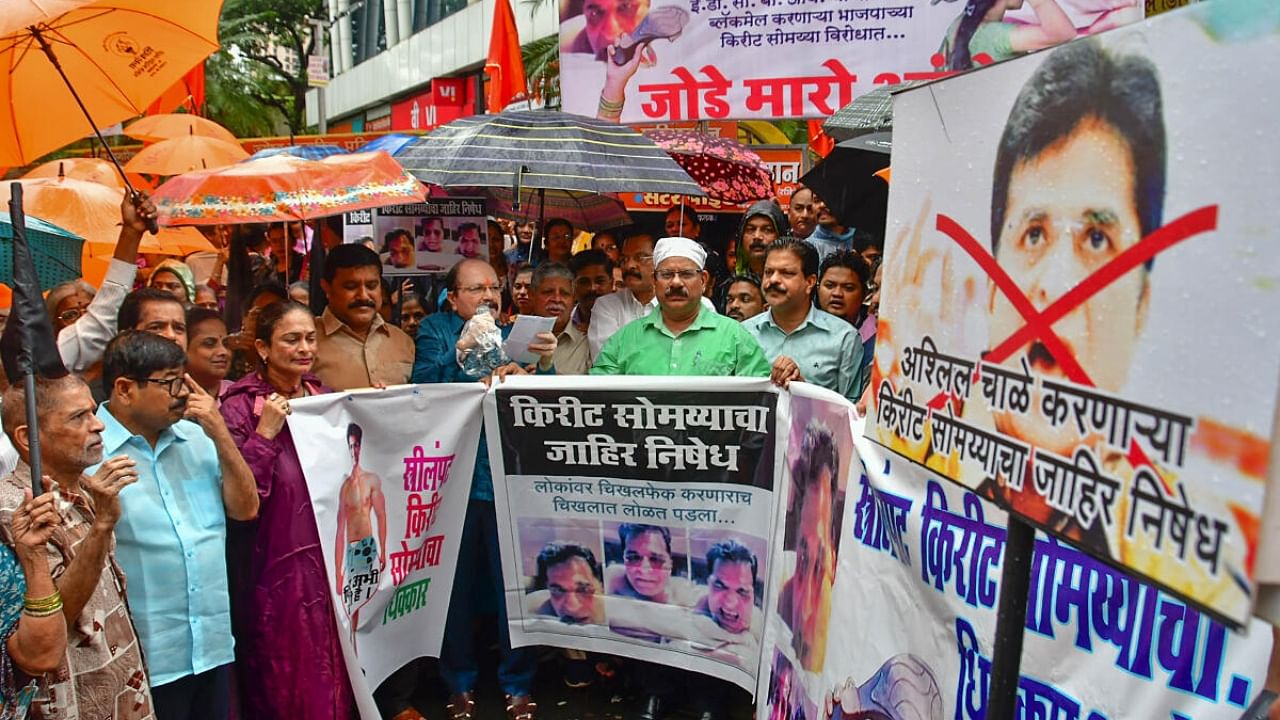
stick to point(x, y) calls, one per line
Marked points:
point(561, 152)
point(725, 169)
point(285, 188)
point(306, 152)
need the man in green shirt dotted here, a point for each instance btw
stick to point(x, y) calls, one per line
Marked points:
point(680, 336)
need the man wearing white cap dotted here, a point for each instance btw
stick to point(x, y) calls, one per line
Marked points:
point(680, 336)
point(638, 298)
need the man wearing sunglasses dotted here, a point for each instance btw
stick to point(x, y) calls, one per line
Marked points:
point(172, 523)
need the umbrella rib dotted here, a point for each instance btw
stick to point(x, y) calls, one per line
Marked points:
point(556, 124)
point(659, 155)
point(556, 175)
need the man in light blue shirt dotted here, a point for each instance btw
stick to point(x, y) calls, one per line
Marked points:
point(799, 340)
point(171, 537)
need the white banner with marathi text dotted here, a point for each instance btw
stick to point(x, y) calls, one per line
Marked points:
point(390, 493)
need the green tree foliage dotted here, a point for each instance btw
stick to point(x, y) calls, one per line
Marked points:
point(248, 84)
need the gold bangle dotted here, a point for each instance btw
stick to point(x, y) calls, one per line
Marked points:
point(56, 609)
point(44, 603)
point(611, 106)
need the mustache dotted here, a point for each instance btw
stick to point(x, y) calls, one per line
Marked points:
point(179, 404)
point(759, 245)
point(631, 273)
point(362, 303)
point(775, 289)
point(677, 292)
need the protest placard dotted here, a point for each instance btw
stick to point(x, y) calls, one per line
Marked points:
point(770, 59)
point(389, 497)
point(428, 237)
point(1037, 343)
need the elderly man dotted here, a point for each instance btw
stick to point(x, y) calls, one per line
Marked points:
point(102, 674)
point(802, 213)
point(710, 344)
point(803, 342)
point(553, 297)
point(473, 284)
point(191, 477)
point(356, 348)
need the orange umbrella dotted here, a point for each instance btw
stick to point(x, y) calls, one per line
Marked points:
point(184, 154)
point(92, 211)
point(92, 170)
point(283, 188)
point(118, 55)
point(155, 128)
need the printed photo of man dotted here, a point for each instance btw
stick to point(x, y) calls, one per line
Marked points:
point(360, 556)
point(1079, 179)
point(599, 24)
point(398, 249)
point(568, 586)
point(469, 242)
point(431, 234)
point(647, 572)
point(805, 600)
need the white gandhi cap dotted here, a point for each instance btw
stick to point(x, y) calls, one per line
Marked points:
point(670, 247)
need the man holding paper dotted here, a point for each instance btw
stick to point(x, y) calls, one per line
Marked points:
point(553, 298)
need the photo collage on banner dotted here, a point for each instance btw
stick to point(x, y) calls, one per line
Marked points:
point(423, 238)
point(639, 517)
point(1037, 344)
point(679, 60)
point(390, 497)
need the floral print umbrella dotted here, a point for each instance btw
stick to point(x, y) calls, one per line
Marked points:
point(725, 169)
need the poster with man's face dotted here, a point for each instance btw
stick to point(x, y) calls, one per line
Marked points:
point(1076, 310)
point(429, 237)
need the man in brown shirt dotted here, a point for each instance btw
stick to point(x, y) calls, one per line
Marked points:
point(356, 347)
point(102, 674)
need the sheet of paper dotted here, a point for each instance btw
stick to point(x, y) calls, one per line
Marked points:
point(526, 327)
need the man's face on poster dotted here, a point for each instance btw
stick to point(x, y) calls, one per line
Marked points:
point(573, 589)
point(353, 444)
point(1071, 210)
point(433, 234)
point(814, 568)
point(608, 19)
point(469, 243)
point(400, 251)
point(647, 562)
point(731, 594)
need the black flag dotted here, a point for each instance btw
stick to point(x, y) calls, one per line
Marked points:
point(28, 341)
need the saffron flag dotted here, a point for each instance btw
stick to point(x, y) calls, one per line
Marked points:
point(504, 65)
point(187, 92)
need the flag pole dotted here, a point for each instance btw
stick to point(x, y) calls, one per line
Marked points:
point(152, 224)
point(19, 221)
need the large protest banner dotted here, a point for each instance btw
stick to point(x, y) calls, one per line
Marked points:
point(906, 608)
point(1037, 343)
point(428, 237)
point(638, 514)
point(390, 496)
point(770, 59)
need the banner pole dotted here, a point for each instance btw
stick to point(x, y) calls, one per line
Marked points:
point(1011, 616)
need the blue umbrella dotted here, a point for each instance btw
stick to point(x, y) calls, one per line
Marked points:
point(306, 152)
point(390, 144)
point(55, 252)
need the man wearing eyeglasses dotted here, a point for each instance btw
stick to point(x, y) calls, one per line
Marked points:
point(567, 585)
point(473, 284)
point(681, 336)
point(171, 536)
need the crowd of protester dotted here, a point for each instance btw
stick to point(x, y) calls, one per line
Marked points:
point(172, 567)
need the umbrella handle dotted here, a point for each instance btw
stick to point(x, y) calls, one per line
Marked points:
point(152, 224)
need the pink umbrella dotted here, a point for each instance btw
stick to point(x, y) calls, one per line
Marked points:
point(725, 169)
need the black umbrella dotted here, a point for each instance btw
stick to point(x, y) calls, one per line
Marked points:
point(560, 150)
point(846, 181)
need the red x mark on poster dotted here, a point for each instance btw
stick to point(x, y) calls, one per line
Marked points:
point(1039, 324)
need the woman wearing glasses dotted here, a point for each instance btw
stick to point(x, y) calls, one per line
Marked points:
point(282, 614)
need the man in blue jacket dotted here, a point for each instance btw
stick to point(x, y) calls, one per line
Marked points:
point(470, 285)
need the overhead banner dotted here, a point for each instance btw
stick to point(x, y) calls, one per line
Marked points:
point(898, 615)
point(1038, 345)
point(638, 514)
point(428, 237)
point(389, 497)
point(770, 59)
